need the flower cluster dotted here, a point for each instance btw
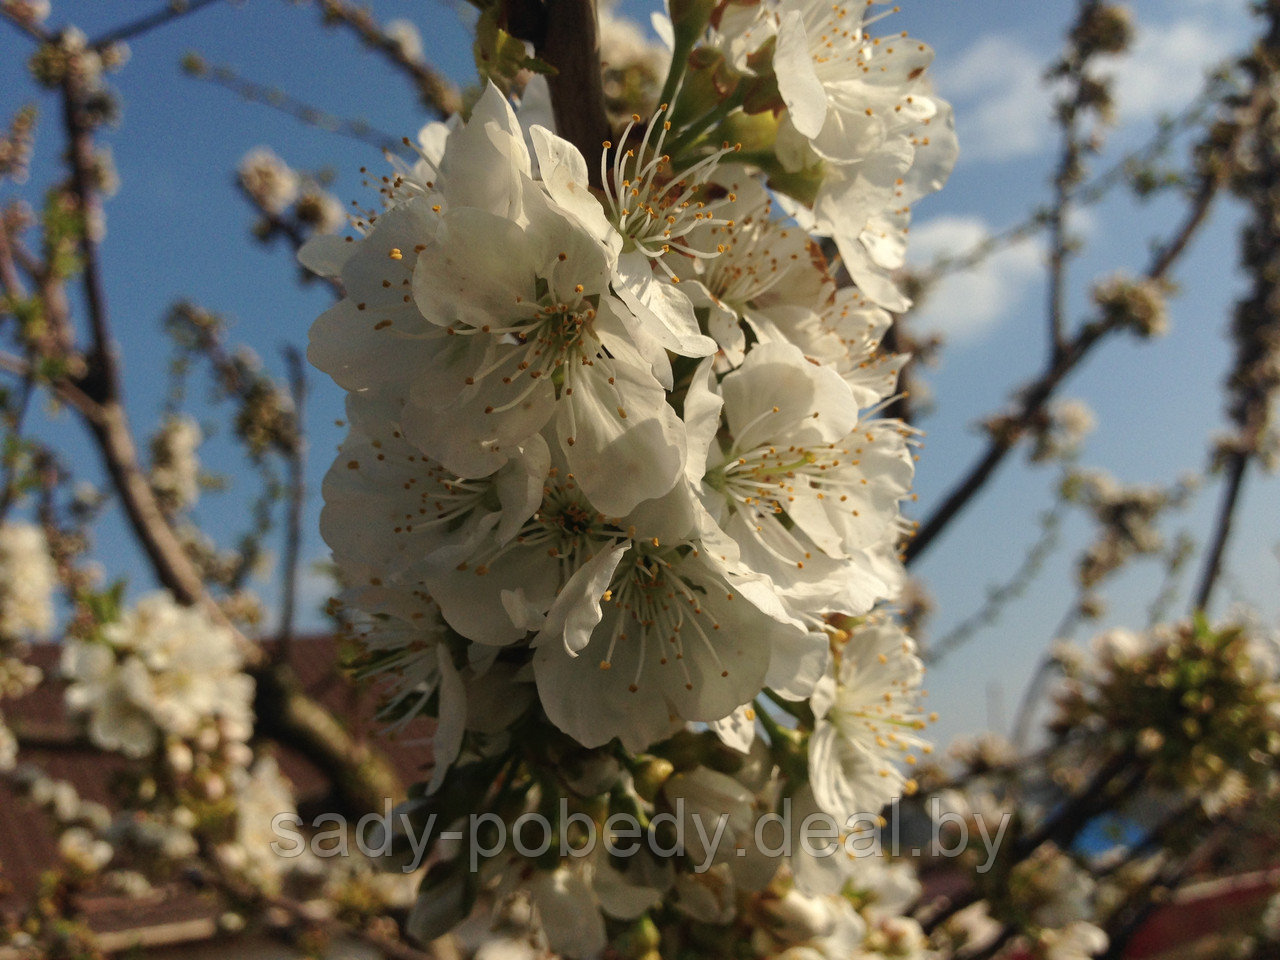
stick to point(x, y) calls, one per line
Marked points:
point(1197, 706)
point(27, 581)
point(159, 671)
point(616, 463)
point(28, 577)
point(275, 188)
point(175, 469)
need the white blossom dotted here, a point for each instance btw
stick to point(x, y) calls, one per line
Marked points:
point(161, 669)
point(815, 927)
point(80, 848)
point(8, 747)
point(807, 490)
point(28, 578)
point(261, 794)
point(869, 720)
point(175, 471)
point(860, 108)
point(406, 37)
point(1076, 941)
point(267, 179)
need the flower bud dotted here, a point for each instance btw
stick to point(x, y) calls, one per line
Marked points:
point(651, 775)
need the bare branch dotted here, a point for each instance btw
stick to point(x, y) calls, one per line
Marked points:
point(1254, 381)
point(28, 27)
point(577, 91)
point(277, 99)
point(1036, 395)
point(436, 93)
point(63, 389)
point(385, 946)
point(107, 420)
point(564, 34)
point(12, 457)
point(1236, 467)
point(173, 10)
point(1090, 193)
point(997, 597)
point(362, 779)
point(102, 381)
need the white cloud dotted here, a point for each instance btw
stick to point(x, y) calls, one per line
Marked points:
point(966, 305)
point(1165, 68)
point(1002, 107)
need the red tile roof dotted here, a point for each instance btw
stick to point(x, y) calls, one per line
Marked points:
point(28, 845)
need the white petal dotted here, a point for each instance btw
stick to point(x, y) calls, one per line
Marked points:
point(576, 610)
point(565, 907)
point(738, 730)
point(623, 443)
point(326, 254)
point(798, 82)
point(451, 723)
point(564, 175)
point(702, 407)
point(662, 310)
point(798, 663)
point(519, 485)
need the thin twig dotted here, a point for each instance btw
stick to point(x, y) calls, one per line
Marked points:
point(9, 487)
point(286, 103)
point(1100, 793)
point(1037, 394)
point(1044, 670)
point(63, 389)
point(1236, 466)
point(102, 381)
point(1091, 193)
point(294, 233)
point(1182, 550)
point(174, 10)
point(1065, 178)
point(1253, 383)
point(436, 93)
point(384, 946)
point(997, 597)
point(31, 29)
point(107, 420)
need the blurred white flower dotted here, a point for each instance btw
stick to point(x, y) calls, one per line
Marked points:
point(83, 850)
point(175, 471)
point(160, 669)
point(28, 578)
point(267, 179)
point(406, 37)
point(261, 794)
point(869, 720)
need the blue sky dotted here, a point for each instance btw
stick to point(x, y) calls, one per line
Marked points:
point(177, 229)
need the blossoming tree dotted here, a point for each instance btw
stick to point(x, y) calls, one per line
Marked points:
point(618, 516)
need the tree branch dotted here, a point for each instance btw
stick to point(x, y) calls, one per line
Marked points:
point(1236, 466)
point(1036, 395)
point(107, 420)
point(363, 781)
point(1254, 381)
point(577, 91)
point(286, 103)
point(564, 34)
point(30, 28)
point(435, 92)
point(172, 11)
